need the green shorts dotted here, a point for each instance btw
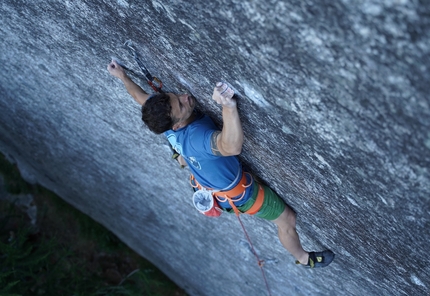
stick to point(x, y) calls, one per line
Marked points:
point(272, 207)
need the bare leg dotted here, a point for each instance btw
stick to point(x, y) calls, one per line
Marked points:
point(288, 235)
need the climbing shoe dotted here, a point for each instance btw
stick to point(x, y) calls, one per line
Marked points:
point(319, 259)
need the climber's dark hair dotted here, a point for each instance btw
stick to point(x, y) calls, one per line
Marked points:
point(156, 113)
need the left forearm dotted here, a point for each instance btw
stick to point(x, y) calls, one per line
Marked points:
point(182, 161)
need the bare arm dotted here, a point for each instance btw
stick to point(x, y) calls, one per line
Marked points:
point(133, 89)
point(182, 161)
point(230, 140)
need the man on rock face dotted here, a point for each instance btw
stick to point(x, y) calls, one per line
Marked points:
point(211, 157)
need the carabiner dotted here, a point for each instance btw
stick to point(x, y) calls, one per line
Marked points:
point(155, 87)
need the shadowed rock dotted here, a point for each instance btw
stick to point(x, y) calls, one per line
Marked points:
point(335, 108)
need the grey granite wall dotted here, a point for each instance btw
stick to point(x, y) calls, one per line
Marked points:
point(335, 108)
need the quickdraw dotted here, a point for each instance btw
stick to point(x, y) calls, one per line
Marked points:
point(153, 81)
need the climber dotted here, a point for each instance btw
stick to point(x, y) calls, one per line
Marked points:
point(211, 155)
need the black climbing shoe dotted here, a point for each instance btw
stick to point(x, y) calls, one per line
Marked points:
point(319, 259)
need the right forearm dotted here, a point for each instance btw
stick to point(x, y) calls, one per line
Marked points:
point(231, 137)
point(135, 90)
point(229, 142)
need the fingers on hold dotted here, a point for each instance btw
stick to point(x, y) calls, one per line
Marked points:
point(227, 94)
point(225, 89)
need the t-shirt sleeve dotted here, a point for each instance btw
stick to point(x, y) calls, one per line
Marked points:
point(201, 139)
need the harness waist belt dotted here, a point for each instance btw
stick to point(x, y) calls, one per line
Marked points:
point(236, 194)
point(239, 189)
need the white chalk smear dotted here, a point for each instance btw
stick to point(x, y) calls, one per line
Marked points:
point(320, 158)
point(286, 130)
point(123, 3)
point(427, 141)
point(118, 61)
point(254, 95)
point(383, 199)
point(352, 201)
point(186, 24)
point(157, 5)
point(417, 281)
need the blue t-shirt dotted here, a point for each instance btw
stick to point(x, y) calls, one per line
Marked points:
point(211, 171)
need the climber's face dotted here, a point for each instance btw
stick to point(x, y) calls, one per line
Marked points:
point(182, 109)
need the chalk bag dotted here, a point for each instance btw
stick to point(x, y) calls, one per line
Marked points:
point(205, 203)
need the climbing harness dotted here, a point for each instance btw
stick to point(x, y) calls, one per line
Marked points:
point(231, 197)
point(153, 81)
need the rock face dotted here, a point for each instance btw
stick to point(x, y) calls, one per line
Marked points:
point(335, 109)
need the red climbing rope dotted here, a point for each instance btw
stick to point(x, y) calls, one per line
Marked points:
point(223, 196)
point(260, 262)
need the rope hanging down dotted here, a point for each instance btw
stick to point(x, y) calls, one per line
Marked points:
point(260, 262)
point(153, 81)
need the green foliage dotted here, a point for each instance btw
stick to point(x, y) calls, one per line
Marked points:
point(44, 267)
point(55, 261)
point(26, 267)
point(14, 183)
